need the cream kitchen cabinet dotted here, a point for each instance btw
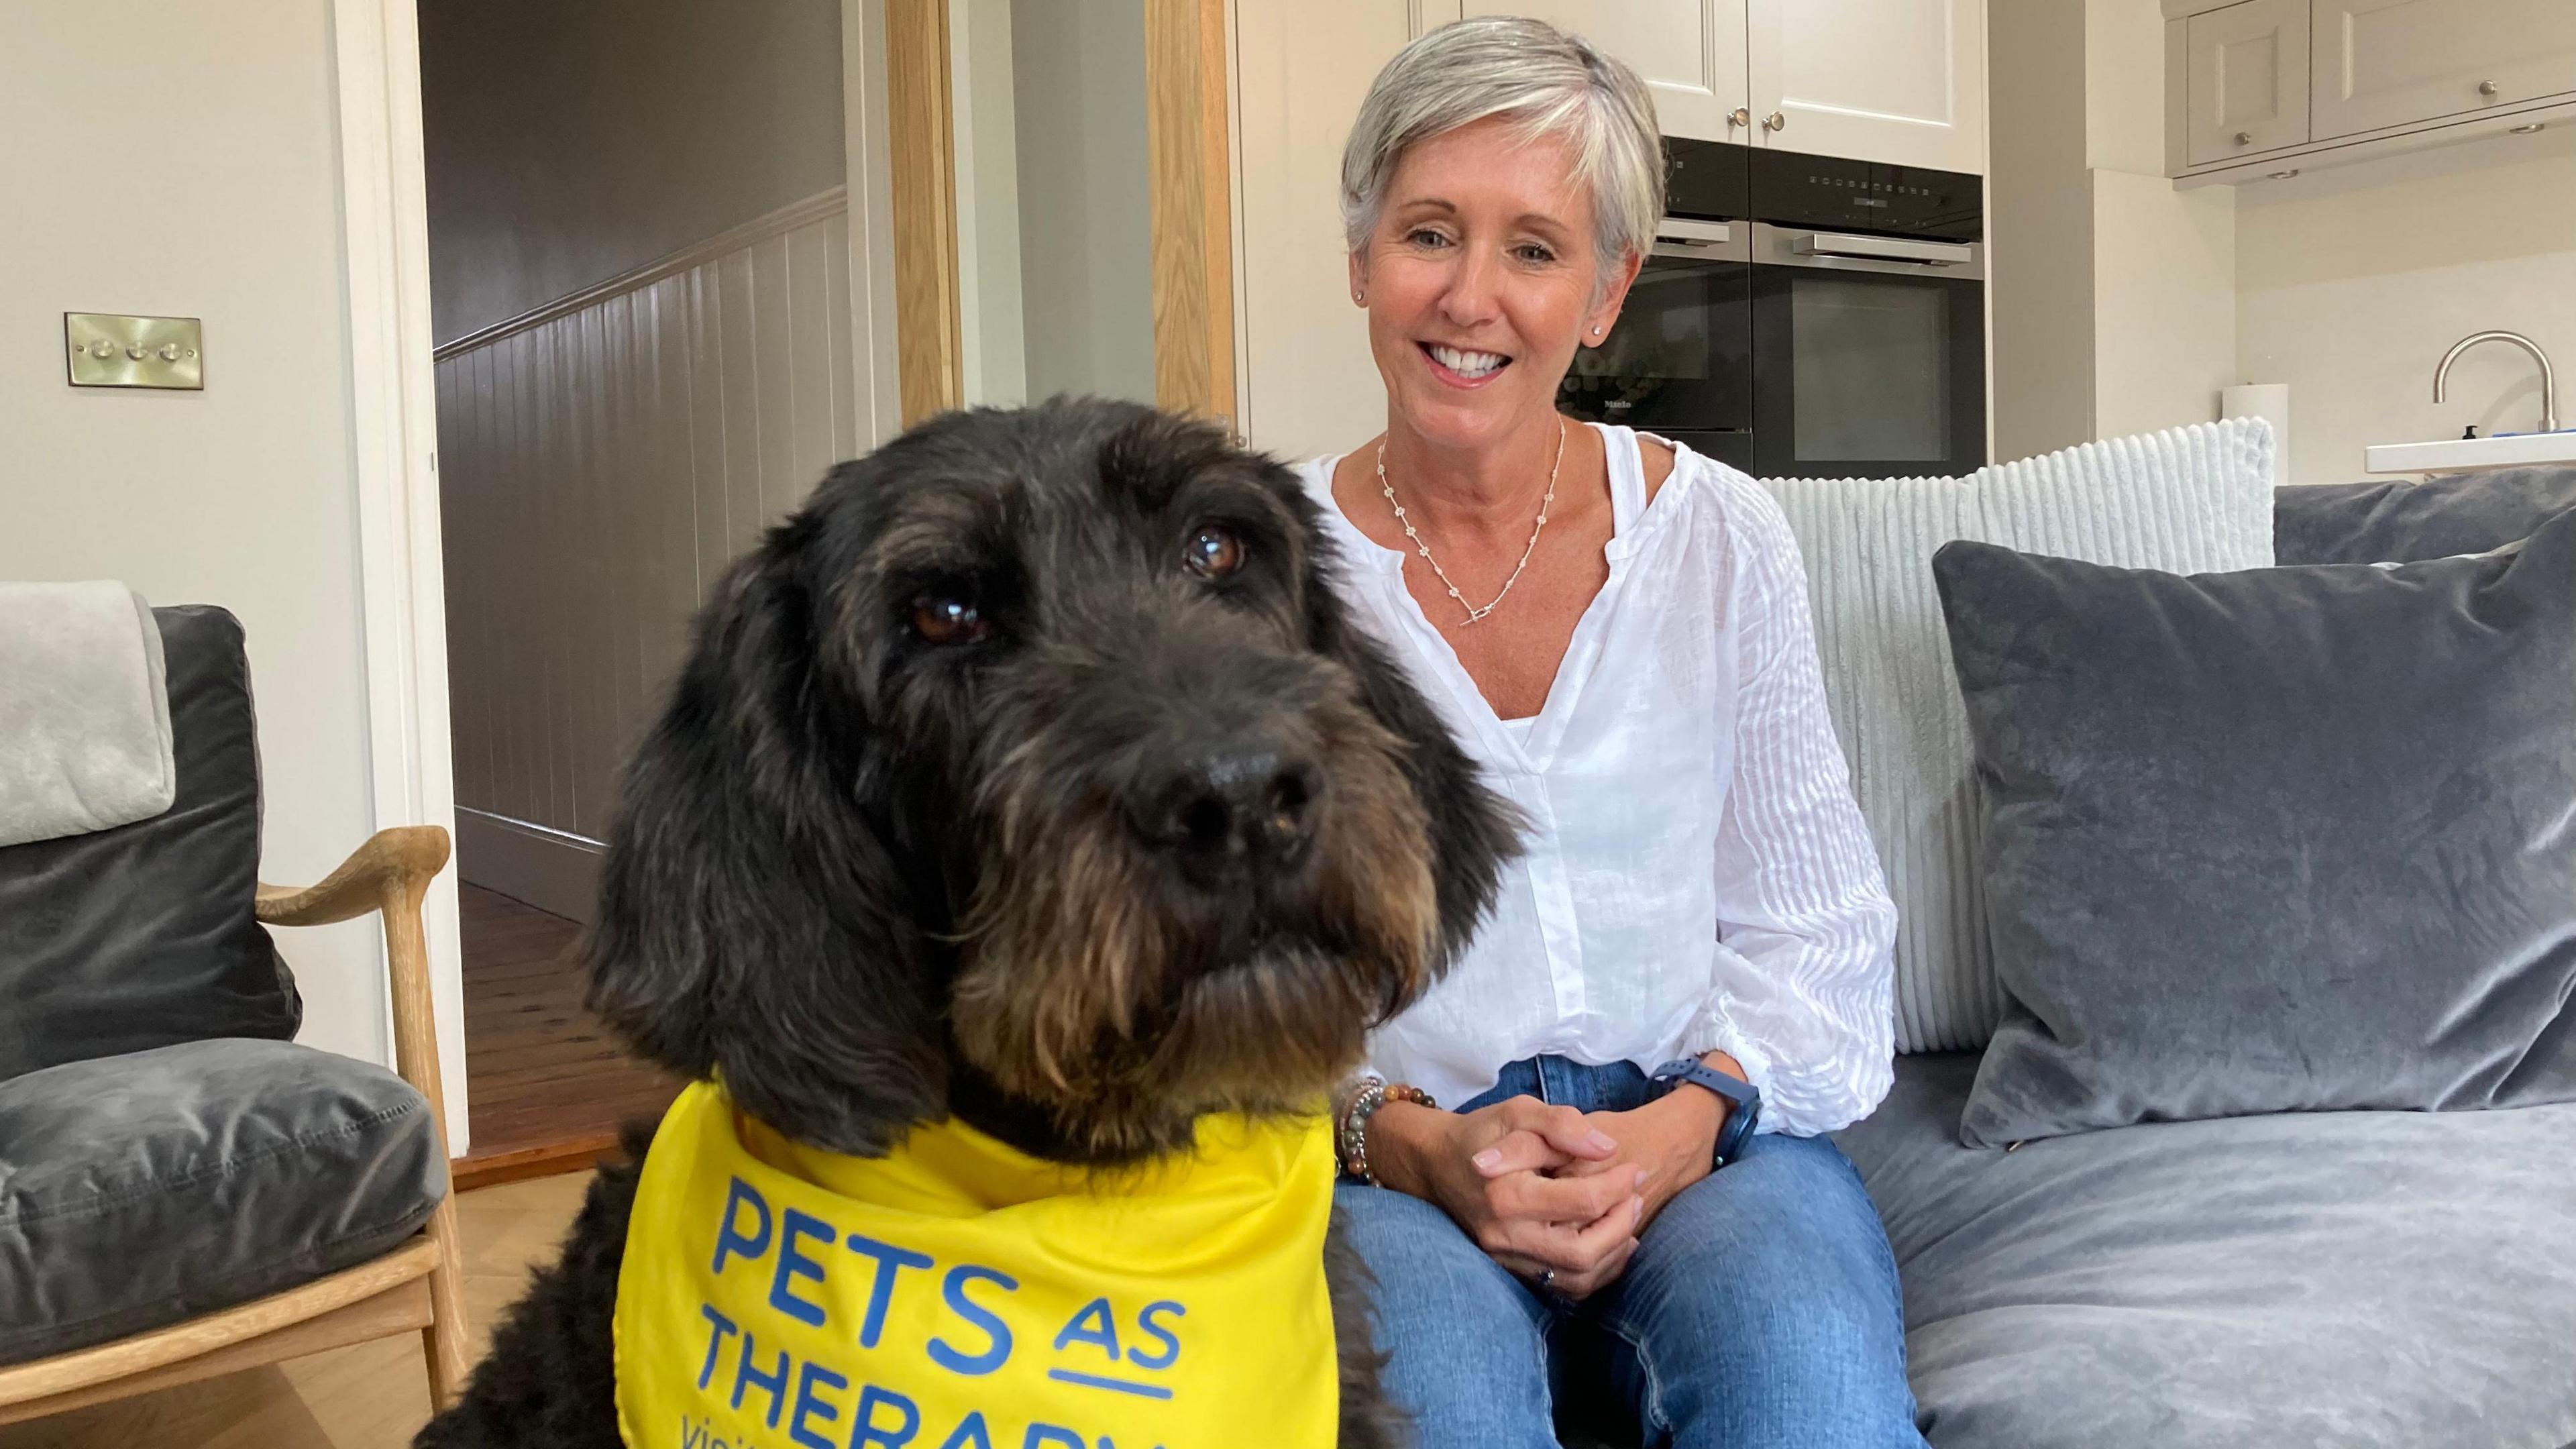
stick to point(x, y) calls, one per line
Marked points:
point(2394, 62)
point(2261, 88)
point(1691, 53)
point(2248, 79)
point(1899, 81)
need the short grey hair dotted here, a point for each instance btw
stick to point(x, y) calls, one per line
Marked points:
point(1554, 83)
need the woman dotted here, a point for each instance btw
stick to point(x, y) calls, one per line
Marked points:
point(1699, 937)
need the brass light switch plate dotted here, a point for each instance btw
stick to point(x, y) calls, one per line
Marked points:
point(105, 350)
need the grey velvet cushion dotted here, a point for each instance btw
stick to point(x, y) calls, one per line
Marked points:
point(2367, 1280)
point(142, 936)
point(140, 1190)
point(2399, 522)
point(2291, 838)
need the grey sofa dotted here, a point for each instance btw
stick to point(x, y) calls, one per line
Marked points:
point(2326, 1278)
point(166, 1151)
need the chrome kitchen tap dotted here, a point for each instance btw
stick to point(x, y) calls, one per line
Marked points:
point(2548, 377)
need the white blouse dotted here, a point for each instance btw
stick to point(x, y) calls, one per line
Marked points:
point(1698, 876)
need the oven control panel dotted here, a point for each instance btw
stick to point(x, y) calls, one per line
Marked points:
point(1832, 192)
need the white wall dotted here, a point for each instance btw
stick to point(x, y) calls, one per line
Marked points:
point(2164, 261)
point(1086, 247)
point(2114, 294)
point(178, 158)
point(2039, 249)
point(984, 136)
point(2352, 284)
point(2164, 323)
point(2124, 84)
point(1316, 388)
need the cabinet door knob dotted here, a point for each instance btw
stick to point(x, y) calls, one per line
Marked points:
point(1774, 121)
point(2488, 88)
point(1740, 116)
point(2244, 138)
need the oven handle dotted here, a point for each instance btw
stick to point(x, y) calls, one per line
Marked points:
point(1689, 239)
point(1881, 248)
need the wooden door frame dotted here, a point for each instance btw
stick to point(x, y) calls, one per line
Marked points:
point(1189, 145)
point(922, 176)
point(1189, 161)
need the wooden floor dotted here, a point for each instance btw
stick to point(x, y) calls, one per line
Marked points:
point(367, 1396)
point(545, 1082)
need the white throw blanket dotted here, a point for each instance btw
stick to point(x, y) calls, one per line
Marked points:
point(84, 711)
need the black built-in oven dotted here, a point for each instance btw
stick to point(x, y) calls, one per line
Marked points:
point(1803, 316)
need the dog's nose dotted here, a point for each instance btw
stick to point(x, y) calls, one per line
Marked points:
point(1221, 811)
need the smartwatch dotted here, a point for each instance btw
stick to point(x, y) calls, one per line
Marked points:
point(1743, 1099)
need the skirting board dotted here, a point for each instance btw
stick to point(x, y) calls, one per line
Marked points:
point(545, 868)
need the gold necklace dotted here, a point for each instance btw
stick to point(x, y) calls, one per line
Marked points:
point(1424, 549)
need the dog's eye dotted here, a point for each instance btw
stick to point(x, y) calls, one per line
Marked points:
point(1213, 551)
point(947, 619)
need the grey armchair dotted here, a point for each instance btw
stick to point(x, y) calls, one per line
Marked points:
point(184, 1191)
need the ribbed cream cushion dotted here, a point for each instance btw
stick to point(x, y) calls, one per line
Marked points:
point(2188, 500)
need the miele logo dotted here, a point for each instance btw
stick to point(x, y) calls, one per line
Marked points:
point(1845, 183)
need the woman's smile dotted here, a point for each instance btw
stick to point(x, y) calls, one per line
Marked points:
point(1463, 367)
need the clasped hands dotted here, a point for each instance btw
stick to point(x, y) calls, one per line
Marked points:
point(1556, 1196)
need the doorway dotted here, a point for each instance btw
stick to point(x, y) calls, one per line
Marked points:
point(644, 278)
point(684, 256)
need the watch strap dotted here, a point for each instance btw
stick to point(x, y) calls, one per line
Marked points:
point(1744, 1101)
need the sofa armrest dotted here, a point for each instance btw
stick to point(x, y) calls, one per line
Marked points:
point(390, 873)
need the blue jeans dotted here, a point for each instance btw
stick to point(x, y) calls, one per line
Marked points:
point(1761, 1308)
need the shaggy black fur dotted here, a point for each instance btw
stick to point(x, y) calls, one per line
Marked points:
point(1030, 773)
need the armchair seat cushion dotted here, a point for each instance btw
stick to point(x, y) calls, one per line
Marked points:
point(137, 1191)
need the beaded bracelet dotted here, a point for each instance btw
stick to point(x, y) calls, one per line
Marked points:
point(1352, 1130)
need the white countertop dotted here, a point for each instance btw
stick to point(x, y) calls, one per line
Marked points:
point(2464, 455)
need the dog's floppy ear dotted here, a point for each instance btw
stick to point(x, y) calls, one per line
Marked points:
point(753, 924)
point(1473, 830)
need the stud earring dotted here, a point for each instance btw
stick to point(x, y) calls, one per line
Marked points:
point(1596, 331)
point(1360, 297)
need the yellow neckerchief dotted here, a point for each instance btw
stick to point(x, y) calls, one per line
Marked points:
point(960, 1294)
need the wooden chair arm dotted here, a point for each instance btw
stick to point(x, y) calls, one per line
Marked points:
point(390, 873)
point(375, 874)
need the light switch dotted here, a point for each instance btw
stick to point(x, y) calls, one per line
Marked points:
point(105, 350)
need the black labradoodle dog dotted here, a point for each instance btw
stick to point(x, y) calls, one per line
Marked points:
point(1030, 774)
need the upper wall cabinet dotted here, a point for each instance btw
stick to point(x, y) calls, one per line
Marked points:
point(1691, 53)
point(2391, 62)
point(1900, 81)
point(2247, 79)
point(2260, 88)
